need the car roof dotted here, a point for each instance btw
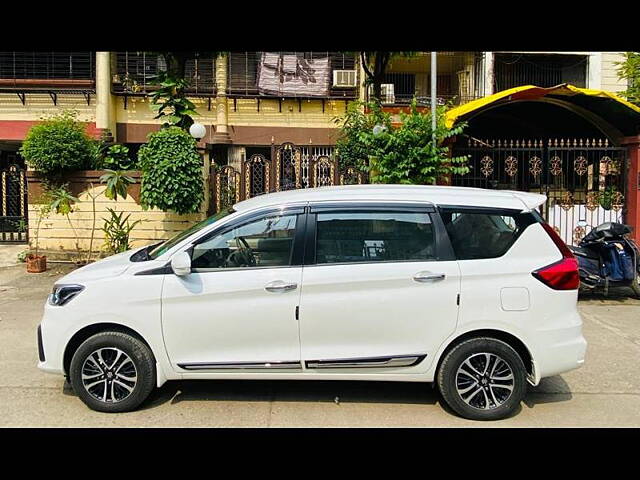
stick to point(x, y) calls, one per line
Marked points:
point(432, 194)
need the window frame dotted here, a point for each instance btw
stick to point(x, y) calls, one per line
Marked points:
point(298, 237)
point(443, 248)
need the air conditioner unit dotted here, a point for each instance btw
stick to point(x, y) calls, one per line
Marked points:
point(387, 95)
point(344, 78)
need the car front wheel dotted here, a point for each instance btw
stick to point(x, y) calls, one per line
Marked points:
point(482, 379)
point(112, 372)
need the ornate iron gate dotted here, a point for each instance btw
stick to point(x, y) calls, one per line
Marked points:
point(13, 206)
point(584, 179)
point(292, 167)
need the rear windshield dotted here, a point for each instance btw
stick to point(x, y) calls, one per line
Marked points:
point(483, 233)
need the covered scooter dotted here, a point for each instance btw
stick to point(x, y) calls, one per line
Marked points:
point(607, 257)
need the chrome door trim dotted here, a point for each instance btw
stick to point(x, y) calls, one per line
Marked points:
point(368, 362)
point(278, 365)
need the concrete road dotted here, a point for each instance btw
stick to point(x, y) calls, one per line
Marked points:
point(605, 392)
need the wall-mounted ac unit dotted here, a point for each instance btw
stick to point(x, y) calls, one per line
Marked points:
point(387, 95)
point(344, 79)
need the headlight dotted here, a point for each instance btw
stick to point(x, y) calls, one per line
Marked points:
point(62, 294)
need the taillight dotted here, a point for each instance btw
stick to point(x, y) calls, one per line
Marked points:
point(562, 275)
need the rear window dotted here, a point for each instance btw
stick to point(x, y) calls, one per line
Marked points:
point(483, 233)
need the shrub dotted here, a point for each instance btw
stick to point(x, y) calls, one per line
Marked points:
point(58, 144)
point(117, 158)
point(171, 172)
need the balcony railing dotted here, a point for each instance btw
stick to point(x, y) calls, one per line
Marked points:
point(135, 72)
point(26, 71)
point(291, 74)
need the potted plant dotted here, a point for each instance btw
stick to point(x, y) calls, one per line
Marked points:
point(38, 263)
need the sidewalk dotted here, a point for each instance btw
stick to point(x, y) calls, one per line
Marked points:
point(9, 253)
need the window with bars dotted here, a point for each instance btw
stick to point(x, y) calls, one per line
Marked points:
point(47, 66)
point(514, 70)
point(134, 72)
point(244, 70)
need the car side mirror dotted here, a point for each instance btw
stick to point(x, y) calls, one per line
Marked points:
point(181, 264)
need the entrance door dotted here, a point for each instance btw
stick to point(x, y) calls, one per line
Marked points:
point(13, 205)
point(377, 293)
point(237, 309)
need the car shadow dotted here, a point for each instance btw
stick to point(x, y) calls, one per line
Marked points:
point(549, 390)
point(317, 391)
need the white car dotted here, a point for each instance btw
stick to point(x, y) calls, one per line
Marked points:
point(468, 288)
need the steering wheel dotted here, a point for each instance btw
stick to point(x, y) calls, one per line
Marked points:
point(243, 256)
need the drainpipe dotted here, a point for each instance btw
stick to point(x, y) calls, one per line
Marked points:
point(104, 117)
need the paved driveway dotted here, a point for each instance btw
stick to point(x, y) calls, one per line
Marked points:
point(605, 392)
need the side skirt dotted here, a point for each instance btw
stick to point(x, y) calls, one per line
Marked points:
point(367, 362)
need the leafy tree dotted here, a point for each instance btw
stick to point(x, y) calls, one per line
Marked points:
point(629, 70)
point(171, 172)
point(170, 100)
point(403, 154)
point(59, 144)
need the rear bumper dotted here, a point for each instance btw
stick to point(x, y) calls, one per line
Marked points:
point(559, 351)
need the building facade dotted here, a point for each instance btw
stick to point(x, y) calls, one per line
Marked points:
point(269, 116)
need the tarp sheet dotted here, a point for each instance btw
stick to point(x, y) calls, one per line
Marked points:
point(290, 75)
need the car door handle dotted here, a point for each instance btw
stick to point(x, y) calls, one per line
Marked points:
point(428, 277)
point(280, 286)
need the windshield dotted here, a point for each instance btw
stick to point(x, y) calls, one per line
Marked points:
point(168, 244)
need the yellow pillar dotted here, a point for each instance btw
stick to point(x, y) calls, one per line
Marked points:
point(104, 113)
point(222, 119)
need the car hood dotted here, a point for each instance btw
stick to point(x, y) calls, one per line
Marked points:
point(107, 267)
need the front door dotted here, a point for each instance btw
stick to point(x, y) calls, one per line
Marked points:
point(237, 309)
point(378, 292)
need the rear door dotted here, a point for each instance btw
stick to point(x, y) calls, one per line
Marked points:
point(380, 287)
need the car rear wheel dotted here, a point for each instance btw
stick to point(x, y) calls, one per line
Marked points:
point(112, 372)
point(482, 379)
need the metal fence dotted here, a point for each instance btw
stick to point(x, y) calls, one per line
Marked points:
point(584, 179)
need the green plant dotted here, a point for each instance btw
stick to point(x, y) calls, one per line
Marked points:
point(117, 230)
point(22, 256)
point(171, 103)
point(58, 144)
point(410, 153)
point(116, 157)
point(170, 99)
point(62, 204)
point(43, 210)
point(171, 172)
point(117, 184)
point(607, 197)
point(356, 140)
point(629, 70)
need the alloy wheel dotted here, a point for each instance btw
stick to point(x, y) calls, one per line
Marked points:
point(484, 381)
point(109, 375)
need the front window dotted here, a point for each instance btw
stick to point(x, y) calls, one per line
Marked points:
point(267, 242)
point(173, 241)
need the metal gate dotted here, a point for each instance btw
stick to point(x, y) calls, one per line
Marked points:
point(13, 206)
point(291, 167)
point(584, 179)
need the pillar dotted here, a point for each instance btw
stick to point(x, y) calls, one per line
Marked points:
point(632, 196)
point(221, 134)
point(104, 113)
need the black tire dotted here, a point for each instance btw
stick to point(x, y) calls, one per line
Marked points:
point(140, 356)
point(447, 378)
